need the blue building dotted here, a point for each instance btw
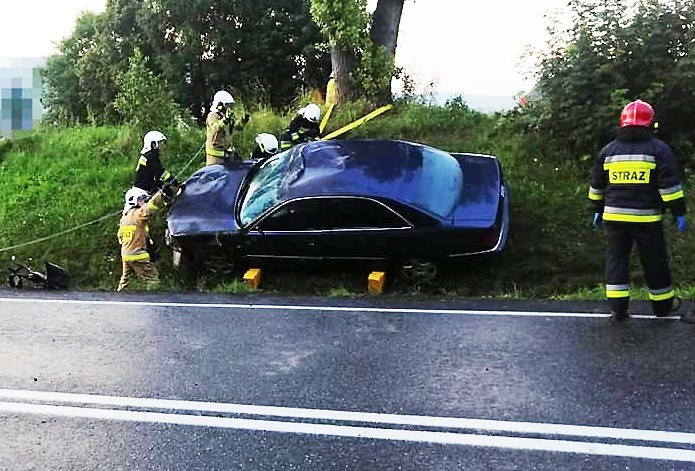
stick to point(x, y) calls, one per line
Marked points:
point(21, 86)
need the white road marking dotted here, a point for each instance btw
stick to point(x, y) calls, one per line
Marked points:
point(278, 307)
point(446, 438)
point(348, 416)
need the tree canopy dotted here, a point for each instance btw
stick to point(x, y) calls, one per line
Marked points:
point(616, 51)
point(261, 50)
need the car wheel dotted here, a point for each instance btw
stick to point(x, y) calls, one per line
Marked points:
point(218, 263)
point(417, 270)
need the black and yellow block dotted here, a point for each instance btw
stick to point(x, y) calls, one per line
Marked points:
point(252, 277)
point(375, 282)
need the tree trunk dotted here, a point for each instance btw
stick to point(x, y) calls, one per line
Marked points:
point(343, 62)
point(386, 21)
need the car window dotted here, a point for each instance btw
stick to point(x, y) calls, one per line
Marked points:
point(359, 213)
point(301, 215)
point(265, 189)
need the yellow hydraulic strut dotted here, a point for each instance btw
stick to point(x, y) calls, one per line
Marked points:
point(356, 123)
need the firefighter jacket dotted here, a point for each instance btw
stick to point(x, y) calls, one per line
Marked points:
point(149, 173)
point(219, 134)
point(133, 229)
point(300, 130)
point(635, 178)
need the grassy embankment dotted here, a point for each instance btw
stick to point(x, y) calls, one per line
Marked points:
point(53, 180)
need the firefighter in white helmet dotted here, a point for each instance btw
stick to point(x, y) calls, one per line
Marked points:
point(133, 235)
point(149, 173)
point(304, 127)
point(220, 126)
point(266, 146)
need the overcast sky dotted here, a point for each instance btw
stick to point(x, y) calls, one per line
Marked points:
point(461, 46)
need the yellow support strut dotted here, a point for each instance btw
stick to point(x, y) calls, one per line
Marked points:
point(326, 117)
point(356, 123)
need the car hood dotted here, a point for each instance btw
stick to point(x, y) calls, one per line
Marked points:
point(207, 204)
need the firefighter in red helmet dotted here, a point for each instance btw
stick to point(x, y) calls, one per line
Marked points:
point(634, 179)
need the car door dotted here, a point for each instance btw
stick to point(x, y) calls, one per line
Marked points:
point(289, 231)
point(362, 228)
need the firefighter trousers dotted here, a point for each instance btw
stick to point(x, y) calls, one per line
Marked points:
point(651, 244)
point(144, 269)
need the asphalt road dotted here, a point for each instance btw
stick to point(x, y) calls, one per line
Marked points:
point(105, 382)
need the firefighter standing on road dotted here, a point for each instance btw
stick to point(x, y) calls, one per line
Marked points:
point(150, 174)
point(220, 126)
point(304, 127)
point(633, 180)
point(133, 236)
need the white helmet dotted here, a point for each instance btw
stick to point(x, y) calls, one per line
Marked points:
point(311, 112)
point(267, 142)
point(151, 139)
point(132, 196)
point(223, 97)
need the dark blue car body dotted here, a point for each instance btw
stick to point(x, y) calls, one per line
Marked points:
point(379, 200)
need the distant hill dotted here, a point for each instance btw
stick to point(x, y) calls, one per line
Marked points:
point(482, 103)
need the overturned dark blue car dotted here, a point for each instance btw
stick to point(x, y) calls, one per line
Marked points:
point(382, 202)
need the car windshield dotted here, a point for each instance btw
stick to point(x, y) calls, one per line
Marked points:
point(266, 188)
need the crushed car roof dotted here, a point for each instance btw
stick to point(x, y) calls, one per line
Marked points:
point(411, 173)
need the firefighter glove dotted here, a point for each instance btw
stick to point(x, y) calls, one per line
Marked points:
point(228, 116)
point(245, 119)
point(598, 221)
point(682, 223)
point(169, 190)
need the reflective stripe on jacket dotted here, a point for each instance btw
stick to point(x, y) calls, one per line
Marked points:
point(133, 229)
point(634, 179)
point(219, 135)
point(150, 173)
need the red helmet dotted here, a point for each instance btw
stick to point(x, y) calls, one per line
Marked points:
point(637, 113)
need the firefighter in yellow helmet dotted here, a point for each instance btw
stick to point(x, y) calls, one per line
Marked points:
point(220, 126)
point(634, 180)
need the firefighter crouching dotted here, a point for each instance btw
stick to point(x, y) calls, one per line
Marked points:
point(304, 127)
point(133, 234)
point(633, 180)
point(266, 146)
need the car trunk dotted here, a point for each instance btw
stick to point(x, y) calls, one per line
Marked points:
point(480, 197)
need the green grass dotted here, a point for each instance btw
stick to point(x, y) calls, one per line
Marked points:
point(54, 180)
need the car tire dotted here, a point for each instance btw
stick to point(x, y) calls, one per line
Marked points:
point(418, 270)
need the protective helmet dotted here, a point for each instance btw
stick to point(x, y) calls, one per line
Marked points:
point(132, 196)
point(221, 98)
point(637, 113)
point(311, 112)
point(268, 143)
point(151, 139)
